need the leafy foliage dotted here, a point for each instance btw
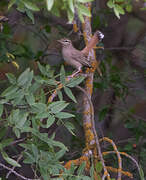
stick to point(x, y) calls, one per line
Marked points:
point(12, 51)
point(28, 112)
point(70, 7)
point(119, 6)
point(24, 108)
point(54, 6)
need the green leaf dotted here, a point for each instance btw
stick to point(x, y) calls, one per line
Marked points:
point(41, 68)
point(30, 159)
point(34, 87)
point(116, 13)
point(32, 6)
point(85, 1)
point(110, 4)
point(22, 119)
point(42, 98)
point(6, 142)
point(11, 3)
point(35, 151)
point(3, 131)
point(21, 7)
point(70, 94)
point(17, 97)
point(119, 0)
point(52, 82)
point(9, 91)
point(143, 9)
point(71, 5)
point(1, 109)
point(87, 178)
point(25, 78)
point(30, 98)
point(83, 10)
point(49, 4)
point(14, 116)
point(25, 146)
point(64, 115)
point(70, 15)
point(58, 106)
point(75, 81)
point(59, 93)
point(81, 169)
point(141, 173)
point(70, 127)
point(44, 138)
point(119, 9)
point(62, 75)
point(3, 101)
point(48, 28)
point(128, 7)
point(60, 153)
point(30, 15)
point(42, 115)
point(50, 121)
point(92, 171)
point(81, 17)
point(38, 107)
point(10, 160)
point(11, 78)
point(99, 167)
point(16, 94)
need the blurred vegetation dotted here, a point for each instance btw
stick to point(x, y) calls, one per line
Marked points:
point(46, 135)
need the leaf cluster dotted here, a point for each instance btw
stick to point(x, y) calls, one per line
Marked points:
point(11, 50)
point(119, 6)
point(24, 109)
point(71, 7)
point(25, 6)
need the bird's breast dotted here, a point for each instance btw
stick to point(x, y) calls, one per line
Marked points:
point(66, 54)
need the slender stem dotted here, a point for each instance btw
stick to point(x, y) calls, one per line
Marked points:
point(14, 172)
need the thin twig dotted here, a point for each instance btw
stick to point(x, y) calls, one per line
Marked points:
point(54, 94)
point(115, 170)
point(14, 172)
point(104, 176)
point(124, 154)
point(18, 106)
point(17, 141)
point(119, 48)
point(8, 174)
point(118, 155)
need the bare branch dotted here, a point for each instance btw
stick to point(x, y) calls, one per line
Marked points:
point(14, 172)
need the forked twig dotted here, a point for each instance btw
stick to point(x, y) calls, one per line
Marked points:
point(14, 172)
point(118, 155)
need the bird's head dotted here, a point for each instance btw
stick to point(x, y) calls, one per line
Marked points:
point(65, 42)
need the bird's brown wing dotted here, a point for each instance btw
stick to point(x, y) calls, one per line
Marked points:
point(80, 57)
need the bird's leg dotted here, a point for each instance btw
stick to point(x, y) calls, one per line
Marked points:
point(76, 72)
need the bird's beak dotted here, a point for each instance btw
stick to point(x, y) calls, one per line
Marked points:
point(59, 41)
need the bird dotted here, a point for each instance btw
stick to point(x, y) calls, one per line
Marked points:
point(75, 57)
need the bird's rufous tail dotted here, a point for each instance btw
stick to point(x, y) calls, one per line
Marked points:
point(96, 38)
